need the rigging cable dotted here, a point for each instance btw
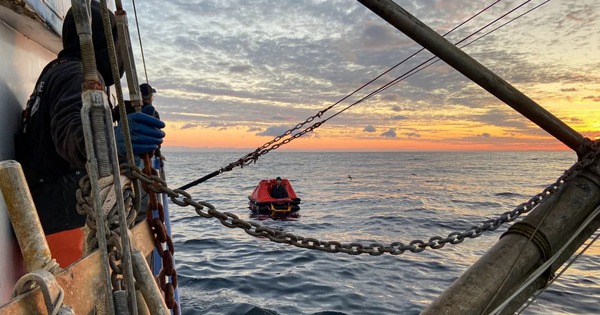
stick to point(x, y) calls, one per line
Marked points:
point(542, 268)
point(271, 145)
point(537, 294)
point(478, 38)
point(140, 40)
point(413, 71)
point(422, 65)
point(320, 113)
point(263, 148)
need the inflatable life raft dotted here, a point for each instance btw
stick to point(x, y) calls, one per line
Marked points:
point(261, 201)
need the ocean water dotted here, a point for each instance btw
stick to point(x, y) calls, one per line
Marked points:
point(392, 196)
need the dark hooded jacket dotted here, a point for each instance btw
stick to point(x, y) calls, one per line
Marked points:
point(279, 191)
point(51, 146)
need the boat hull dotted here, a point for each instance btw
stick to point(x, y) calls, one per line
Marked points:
point(22, 61)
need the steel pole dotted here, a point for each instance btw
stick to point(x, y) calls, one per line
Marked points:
point(24, 218)
point(473, 70)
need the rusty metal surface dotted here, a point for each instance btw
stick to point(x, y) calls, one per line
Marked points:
point(24, 219)
point(81, 282)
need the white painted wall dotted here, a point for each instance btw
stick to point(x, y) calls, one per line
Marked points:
point(21, 61)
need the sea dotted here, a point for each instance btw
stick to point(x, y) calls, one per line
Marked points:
point(360, 197)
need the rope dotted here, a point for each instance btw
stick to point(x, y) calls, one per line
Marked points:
point(508, 22)
point(529, 240)
point(423, 65)
point(112, 53)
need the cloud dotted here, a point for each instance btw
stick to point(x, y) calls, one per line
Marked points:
point(593, 98)
point(240, 69)
point(380, 35)
point(273, 131)
point(369, 128)
point(568, 90)
point(412, 134)
point(214, 124)
point(391, 133)
point(575, 120)
point(282, 118)
point(485, 135)
point(278, 62)
point(253, 129)
point(504, 118)
point(189, 126)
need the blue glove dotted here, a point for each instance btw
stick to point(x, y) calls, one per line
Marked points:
point(145, 132)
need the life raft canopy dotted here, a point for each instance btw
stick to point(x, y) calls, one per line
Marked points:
point(261, 201)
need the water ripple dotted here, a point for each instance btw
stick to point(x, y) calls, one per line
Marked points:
point(226, 271)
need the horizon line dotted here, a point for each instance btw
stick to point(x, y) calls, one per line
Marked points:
point(341, 150)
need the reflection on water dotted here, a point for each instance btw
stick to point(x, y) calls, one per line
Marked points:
point(391, 197)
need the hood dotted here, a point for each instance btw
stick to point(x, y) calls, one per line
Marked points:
point(72, 49)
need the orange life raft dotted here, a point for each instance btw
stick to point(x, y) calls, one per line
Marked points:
point(261, 201)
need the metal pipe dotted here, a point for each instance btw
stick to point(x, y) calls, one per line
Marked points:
point(141, 304)
point(24, 218)
point(127, 55)
point(497, 274)
point(147, 285)
point(475, 71)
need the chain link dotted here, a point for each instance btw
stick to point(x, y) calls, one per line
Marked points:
point(167, 277)
point(115, 250)
point(253, 156)
point(182, 198)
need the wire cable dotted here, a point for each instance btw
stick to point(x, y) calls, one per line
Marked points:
point(425, 64)
point(140, 40)
point(282, 138)
point(541, 269)
point(421, 65)
point(562, 271)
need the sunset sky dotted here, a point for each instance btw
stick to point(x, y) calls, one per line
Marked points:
point(235, 74)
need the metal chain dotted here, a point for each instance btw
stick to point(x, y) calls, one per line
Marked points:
point(167, 277)
point(182, 198)
point(253, 156)
point(115, 252)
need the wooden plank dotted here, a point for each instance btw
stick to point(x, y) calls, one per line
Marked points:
point(81, 282)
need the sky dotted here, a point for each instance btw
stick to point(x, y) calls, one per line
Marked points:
point(236, 74)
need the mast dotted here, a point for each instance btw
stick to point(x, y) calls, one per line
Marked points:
point(547, 229)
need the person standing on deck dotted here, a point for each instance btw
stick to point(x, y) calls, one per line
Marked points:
point(51, 145)
point(148, 92)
